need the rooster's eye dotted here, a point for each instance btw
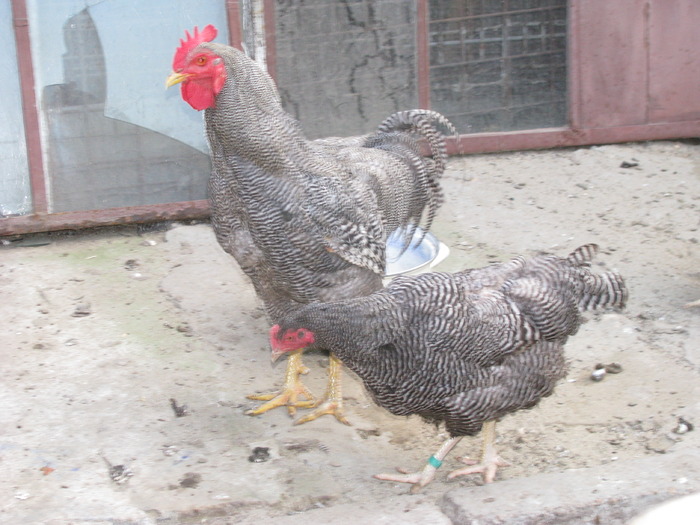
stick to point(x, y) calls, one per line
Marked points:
point(200, 60)
point(301, 334)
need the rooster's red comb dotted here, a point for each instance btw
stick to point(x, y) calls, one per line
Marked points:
point(188, 44)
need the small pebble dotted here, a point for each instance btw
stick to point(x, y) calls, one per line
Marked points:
point(683, 426)
point(191, 480)
point(131, 264)
point(259, 455)
point(82, 310)
point(120, 474)
point(180, 410)
point(601, 369)
point(613, 368)
point(598, 374)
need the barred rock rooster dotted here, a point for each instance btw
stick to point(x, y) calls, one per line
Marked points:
point(306, 220)
point(462, 349)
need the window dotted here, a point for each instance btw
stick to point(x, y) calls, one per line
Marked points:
point(113, 135)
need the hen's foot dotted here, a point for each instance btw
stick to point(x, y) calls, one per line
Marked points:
point(291, 392)
point(417, 479)
point(487, 468)
point(425, 476)
point(332, 403)
point(490, 461)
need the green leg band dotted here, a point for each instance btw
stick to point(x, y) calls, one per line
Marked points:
point(435, 462)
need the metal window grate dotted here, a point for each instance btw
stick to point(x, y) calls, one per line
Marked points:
point(499, 65)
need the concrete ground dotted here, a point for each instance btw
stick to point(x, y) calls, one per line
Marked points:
point(127, 355)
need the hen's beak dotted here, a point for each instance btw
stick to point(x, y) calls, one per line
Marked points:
point(275, 354)
point(175, 78)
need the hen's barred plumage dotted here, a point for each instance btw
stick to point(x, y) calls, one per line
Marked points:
point(306, 220)
point(462, 348)
point(469, 346)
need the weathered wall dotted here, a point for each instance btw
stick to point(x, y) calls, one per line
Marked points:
point(343, 67)
point(636, 61)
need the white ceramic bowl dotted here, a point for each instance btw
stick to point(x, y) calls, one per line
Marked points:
point(417, 257)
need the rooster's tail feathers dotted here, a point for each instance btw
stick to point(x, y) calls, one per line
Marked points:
point(421, 121)
point(416, 125)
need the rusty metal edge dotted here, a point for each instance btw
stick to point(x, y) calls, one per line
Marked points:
point(567, 137)
point(269, 15)
point(95, 218)
point(233, 18)
point(422, 54)
point(574, 102)
point(30, 111)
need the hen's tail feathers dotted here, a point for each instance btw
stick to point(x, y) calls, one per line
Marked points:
point(583, 255)
point(424, 124)
point(599, 290)
point(552, 291)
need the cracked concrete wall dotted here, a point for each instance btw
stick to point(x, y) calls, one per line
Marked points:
point(343, 67)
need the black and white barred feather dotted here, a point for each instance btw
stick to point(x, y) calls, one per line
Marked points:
point(467, 347)
point(308, 220)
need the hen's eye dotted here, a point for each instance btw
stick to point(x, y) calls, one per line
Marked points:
point(301, 334)
point(200, 60)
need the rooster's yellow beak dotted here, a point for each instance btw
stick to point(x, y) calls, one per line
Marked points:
point(175, 78)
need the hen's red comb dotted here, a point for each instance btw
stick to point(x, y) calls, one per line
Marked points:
point(207, 35)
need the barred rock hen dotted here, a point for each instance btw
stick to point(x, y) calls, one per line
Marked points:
point(465, 348)
point(306, 220)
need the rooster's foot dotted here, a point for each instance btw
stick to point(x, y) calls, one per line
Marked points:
point(288, 398)
point(331, 407)
point(291, 392)
point(332, 403)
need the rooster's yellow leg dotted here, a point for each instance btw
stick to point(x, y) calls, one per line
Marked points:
point(490, 461)
point(425, 476)
point(333, 400)
point(291, 391)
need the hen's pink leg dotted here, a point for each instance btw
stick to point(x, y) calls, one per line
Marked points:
point(490, 461)
point(425, 476)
